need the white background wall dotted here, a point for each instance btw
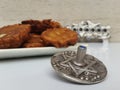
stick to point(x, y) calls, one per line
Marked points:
point(65, 11)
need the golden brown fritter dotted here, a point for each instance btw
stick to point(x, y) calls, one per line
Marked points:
point(34, 41)
point(59, 37)
point(36, 33)
point(38, 26)
point(13, 36)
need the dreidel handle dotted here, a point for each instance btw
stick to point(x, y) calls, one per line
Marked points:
point(81, 52)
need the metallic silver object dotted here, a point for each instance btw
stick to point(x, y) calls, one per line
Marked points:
point(88, 31)
point(81, 52)
point(79, 67)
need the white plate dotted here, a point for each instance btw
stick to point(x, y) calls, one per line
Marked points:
point(25, 52)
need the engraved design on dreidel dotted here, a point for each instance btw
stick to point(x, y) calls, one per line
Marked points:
point(79, 67)
point(81, 52)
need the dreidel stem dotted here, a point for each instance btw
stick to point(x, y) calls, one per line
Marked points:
point(81, 52)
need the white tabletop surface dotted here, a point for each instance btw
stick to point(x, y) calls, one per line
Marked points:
point(36, 73)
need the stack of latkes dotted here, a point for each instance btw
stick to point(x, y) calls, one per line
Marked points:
point(36, 33)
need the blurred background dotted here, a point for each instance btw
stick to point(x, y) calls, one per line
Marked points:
point(66, 12)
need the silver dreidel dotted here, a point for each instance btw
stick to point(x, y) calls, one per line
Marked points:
point(79, 67)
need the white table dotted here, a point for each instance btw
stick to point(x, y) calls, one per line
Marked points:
point(37, 73)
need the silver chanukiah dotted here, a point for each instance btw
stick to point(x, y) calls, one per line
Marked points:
point(79, 67)
point(91, 32)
